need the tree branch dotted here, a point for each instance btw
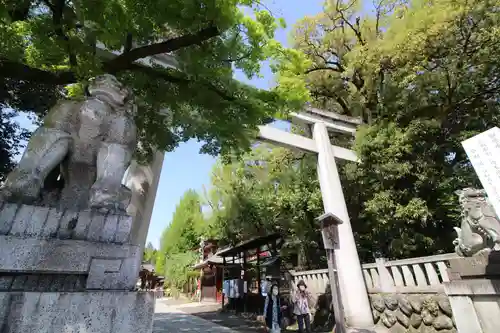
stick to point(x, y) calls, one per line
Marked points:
point(19, 71)
point(357, 79)
point(322, 68)
point(128, 43)
point(378, 9)
point(123, 61)
point(19, 11)
point(337, 98)
point(357, 32)
point(167, 76)
point(57, 9)
point(344, 105)
point(245, 56)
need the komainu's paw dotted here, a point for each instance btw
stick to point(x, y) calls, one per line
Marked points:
point(106, 200)
point(21, 187)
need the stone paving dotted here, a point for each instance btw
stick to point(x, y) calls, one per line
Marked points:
point(171, 319)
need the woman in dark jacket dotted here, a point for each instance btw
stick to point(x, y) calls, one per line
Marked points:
point(272, 310)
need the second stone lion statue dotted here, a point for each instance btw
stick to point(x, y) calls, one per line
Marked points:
point(89, 144)
point(479, 230)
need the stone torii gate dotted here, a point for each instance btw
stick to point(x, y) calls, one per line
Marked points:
point(341, 251)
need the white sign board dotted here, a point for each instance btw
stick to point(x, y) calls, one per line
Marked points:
point(483, 151)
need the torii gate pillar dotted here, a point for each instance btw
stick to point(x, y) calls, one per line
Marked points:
point(354, 297)
point(344, 257)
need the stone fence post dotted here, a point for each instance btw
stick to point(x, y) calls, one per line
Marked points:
point(386, 281)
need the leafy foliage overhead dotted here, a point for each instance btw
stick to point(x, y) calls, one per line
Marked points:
point(17, 96)
point(60, 42)
point(424, 75)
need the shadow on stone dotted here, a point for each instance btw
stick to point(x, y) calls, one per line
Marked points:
point(324, 319)
point(492, 269)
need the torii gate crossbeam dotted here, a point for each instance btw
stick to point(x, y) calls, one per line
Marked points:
point(294, 141)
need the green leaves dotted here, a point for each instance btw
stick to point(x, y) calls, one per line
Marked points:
point(269, 190)
point(150, 254)
point(424, 77)
point(71, 41)
point(180, 237)
point(177, 269)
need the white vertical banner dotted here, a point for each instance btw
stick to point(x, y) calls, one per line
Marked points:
point(483, 151)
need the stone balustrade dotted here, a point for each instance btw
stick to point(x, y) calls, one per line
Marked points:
point(406, 295)
point(416, 275)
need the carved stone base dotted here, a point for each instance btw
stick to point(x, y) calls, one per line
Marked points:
point(44, 249)
point(475, 304)
point(85, 312)
point(481, 266)
point(64, 271)
point(474, 292)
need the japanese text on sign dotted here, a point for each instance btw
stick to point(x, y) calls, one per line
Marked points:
point(483, 151)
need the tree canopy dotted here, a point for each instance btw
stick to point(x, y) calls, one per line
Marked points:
point(269, 190)
point(150, 253)
point(175, 256)
point(59, 42)
point(11, 137)
point(18, 96)
point(423, 76)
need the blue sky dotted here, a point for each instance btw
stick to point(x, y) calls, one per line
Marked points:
point(185, 168)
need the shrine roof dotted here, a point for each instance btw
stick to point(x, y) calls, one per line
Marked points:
point(250, 244)
point(216, 260)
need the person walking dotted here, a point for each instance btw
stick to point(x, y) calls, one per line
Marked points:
point(301, 301)
point(198, 290)
point(272, 310)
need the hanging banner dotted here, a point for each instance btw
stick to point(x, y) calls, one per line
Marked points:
point(263, 254)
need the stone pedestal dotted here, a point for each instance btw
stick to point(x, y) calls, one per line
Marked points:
point(481, 266)
point(474, 293)
point(78, 312)
point(69, 272)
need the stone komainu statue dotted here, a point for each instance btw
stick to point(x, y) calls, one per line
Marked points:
point(479, 231)
point(89, 144)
